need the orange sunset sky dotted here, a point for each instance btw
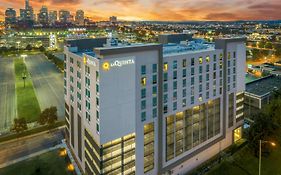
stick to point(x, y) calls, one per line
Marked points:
point(174, 10)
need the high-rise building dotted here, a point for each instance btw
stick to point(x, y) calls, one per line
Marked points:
point(113, 19)
point(10, 17)
point(152, 108)
point(53, 17)
point(43, 17)
point(79, 17)
point(64, 16)
point(27, 14)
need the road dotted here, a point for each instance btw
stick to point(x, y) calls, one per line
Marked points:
point(7, 93)
point(47, 81)
point(22, 147)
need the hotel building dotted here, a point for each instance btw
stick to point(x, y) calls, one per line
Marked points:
point(152, 108)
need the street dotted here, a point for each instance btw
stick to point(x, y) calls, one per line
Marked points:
point(19, 148)
point(47, 82)
point(7, 93)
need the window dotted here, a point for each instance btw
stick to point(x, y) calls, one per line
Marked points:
point(174, 85)
point(88, 94)
point(143, 104)
point(97, 88)
point(143, 81)
point(184, 93)
point(79, 64)
point(143, 93)
point(228, 63)
point(192, 80)
point(184, 63)
point(154, 90)
point(214, 66)
point(207, 68)
point(78, 75)
point(71, 79)
point(200, 69)
point(165, 87)
point(174, 75)
point(207, 77)
point(71, 60)
point(207, 94)
point(154, 79)
point(207, 86)
point(79, 106)
point(154, 112)
point(200, 98)
point(97, 101)
point(184, 103)
point(192, 100)
point(79, 85)
point(175, 95)
point(165, 98)
point(97, 75)
point(200, 78)
point(143, 116)
point(98, 128)
point(71, 69)
point(165, 67)
point(71, 89)
point(208, 59)
point(165, 76)
point(78, 95)
point(200, 88)
point(175, 106)
point(184, 83)
point(221, 56)
point(165, 109)
point(184, 73)
point(154, 101)
point(214, 75)
point(192, 71)
point(97, 114)
point(200, 60)
point(192, 90)
point(192, 61)
point(88, 117)
point(88, 105)
point(234, 54)
point(143, 69)
point(215, 58)
point(154, 68)
point(175, 64)
point(87, 69)
point(228, 55)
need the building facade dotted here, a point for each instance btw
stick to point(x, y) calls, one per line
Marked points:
point(10, 17)
point(80, 18)
point(43, 16)
point(152, 108)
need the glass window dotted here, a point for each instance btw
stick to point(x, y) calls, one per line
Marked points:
point(154, 101)
point(154, 79)
point(154, 90)
point(184, 83)
point(215, 58)
point(143, 69)
point(98, 128)
point(97, 75)
point(97, 88)
point(174, 85)
point(174, 75)
point(192, 61)
point(143, 116)
point(143, 81)
point(165, 76)
point(183, 102)
point(192, 71)
point(184, 73)
point(184, 93)
point(207, 68)
point(184, 63)
point(175, 64)
point(200, 69)
point(228, 55)
point(154, 68)
point(165, 98)
point(165, 67)
point(154, 112)
point(207, 77)
point(175, 95)
point(143, 93)
point(200, 60)
point(200, 88)
point(143, 104)
point(200, 78)
point(192, 80)
point(192, 100)
point(165, 87)
point(208, 59)
point(165, 108)
point(234, 54)
point(175, 106)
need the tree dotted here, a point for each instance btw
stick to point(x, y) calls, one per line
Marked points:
point(28, 47)
point(268, 45)
point(48, 116)
point(42, 49)
point(20, 125)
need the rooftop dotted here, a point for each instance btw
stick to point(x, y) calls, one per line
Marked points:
point(264, 85)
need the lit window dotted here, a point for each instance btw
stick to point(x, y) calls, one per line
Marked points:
point(143, 81)
point(184, 63)
point(228, 55)
point(208, 59)
point(200, 60)
point(165, 67)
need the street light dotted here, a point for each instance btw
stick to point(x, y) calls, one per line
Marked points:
point(260, 142)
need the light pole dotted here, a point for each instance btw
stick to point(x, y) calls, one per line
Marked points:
point(260, 142)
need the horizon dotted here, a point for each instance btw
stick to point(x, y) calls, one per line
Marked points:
point(158, 10)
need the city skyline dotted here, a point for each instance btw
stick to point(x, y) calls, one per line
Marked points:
point(157, 10)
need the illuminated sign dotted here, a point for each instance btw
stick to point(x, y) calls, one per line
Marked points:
point(88, 61)
point(117, 63)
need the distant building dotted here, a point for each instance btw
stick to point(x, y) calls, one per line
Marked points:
point(174, 38)
point(53, 17)
point(43, 17)
point(64, 16)
point(259, 93)
point(149, 109)
point(113, 19)
point(27, 15)
point(79, 17)
point(10, 17)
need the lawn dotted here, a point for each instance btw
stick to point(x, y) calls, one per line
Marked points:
point(49, 163)
point(27, 103)
point(245, 163)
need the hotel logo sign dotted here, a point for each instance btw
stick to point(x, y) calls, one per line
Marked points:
point(117, 63)
point(88, 61)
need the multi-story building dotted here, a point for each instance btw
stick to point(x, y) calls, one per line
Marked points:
point(43, 17)
point(64, 16)
point(53, 17)
point(79, 17)
point(113, 19)
point(10, 17)
point(152, 108)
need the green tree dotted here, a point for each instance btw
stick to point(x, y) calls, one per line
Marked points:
point(48, 116)
point(268, 45)
point(20, 125)
point(28, 47)
point(42, 49)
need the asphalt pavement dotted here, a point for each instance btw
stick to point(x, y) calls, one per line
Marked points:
point(47, 81)
point(18, 148)
point(7, 93)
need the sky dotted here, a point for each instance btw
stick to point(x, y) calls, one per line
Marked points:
point(162, 10)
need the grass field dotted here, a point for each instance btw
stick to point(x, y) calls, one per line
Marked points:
point(49, 163)
point(245, 163)
point(27, 103)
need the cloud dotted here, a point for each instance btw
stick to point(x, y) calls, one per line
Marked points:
point(224, 16)
point(265, 6)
